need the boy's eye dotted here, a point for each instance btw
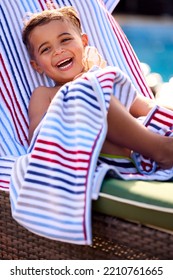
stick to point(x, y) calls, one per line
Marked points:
point(66, 39)
point(45, 50)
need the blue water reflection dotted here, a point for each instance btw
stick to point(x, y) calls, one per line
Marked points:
point(153, 44)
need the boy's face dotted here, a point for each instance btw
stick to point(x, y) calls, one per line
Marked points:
point(58, 50)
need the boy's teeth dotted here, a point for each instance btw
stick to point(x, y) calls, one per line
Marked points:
point(64, 62)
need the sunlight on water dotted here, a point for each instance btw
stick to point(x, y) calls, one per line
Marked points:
point(153, 44)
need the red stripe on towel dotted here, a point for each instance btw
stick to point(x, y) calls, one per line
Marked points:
point(58, 162)
point(48, 151)
point(64, 150)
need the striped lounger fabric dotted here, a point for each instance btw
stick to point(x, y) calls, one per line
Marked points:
point(74, 152)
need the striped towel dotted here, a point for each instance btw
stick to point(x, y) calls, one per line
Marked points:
point(52, 186)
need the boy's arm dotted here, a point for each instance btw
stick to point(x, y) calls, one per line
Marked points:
point(38, 106)
point(142, 105)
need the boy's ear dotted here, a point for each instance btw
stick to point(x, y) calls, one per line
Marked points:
point(36, 67)
point(85, 39)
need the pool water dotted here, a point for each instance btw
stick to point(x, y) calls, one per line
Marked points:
point(153, 44)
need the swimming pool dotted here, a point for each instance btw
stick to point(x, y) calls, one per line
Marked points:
point(153, 44)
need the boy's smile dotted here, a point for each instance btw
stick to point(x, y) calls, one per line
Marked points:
point(65, 64)
point(58, 50)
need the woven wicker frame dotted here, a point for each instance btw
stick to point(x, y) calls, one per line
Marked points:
point(113, 239)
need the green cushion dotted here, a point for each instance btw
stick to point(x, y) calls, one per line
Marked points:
point(150, 203)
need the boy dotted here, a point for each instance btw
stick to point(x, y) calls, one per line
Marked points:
point(56, 45)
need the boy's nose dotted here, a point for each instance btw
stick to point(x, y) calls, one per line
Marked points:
point(58, 51)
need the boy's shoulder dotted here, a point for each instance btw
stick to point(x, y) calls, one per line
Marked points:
point(42, 90)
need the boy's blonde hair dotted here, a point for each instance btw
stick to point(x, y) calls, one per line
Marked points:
point(68, 14)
